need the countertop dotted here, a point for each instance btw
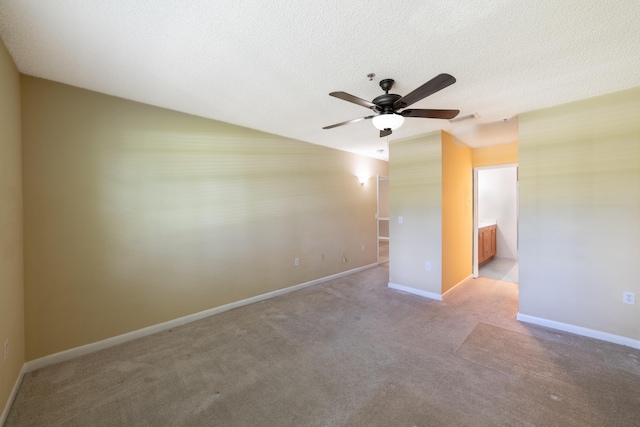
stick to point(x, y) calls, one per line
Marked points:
point(486, 222)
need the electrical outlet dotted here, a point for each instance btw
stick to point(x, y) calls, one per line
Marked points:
point(296, 261)
point(400, 219)
point(362, 248)
point(629, 297)
point(427, 266)
point(6, 350)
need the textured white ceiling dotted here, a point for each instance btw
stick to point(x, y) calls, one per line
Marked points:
point(270, 65)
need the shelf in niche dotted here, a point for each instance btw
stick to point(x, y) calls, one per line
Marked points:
point(383, 219)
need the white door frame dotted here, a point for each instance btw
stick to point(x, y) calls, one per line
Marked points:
point(378, 179)
point(475, 210)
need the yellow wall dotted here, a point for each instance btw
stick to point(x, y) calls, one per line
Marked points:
point(503, 154)
point(580, 213)
point(135, 215)
point(11, 243)
point(457, 212)
point(415, 193)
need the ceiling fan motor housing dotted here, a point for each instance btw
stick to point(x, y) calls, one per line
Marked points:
point(384, 103)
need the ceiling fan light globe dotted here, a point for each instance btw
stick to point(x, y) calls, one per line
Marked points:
point(388, 121)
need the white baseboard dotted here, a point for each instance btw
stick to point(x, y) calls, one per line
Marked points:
point(129, 336)
point(12, 396)
point(415, 291)
point(469, 277)
point(579, 330)
point(427, 294)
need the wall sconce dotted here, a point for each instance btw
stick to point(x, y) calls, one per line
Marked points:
point(362, 179)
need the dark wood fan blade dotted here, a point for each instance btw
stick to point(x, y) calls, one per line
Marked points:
point(431, 114)
point(348, 122)
point(345, 96)
point(437, 83)
point(385, 132)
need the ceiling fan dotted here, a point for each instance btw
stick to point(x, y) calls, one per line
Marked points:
point(388, 105)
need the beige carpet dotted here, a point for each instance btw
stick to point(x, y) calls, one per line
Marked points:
point(350, 352)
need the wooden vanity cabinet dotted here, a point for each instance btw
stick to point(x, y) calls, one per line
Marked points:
point(486, 243)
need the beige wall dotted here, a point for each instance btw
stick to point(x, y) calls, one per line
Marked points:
point(415, 193)
point(502, 154)
point(580, 213)
point(457, 211)
point(136, 215)
point(11, 243)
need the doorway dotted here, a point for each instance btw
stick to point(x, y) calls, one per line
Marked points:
point(496, 217)
point(382, 217)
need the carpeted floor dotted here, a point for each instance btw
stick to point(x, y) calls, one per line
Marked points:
point(350, 352)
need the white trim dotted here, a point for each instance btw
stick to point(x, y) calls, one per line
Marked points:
point(12, 396)
point(427, 294)
point(579, 330)
point(500, 166)
point(415, 291)
point(378, 219)
point(469, 277)
point(129, 336)
point(474, 237)
point(475, 266)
